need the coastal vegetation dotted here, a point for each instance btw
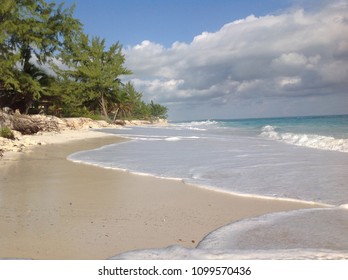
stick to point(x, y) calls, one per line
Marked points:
point(48, 65)
point(6, 132)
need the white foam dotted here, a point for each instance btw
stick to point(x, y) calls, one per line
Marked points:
point(173, 138)
point(197, 125)
point(306, 140)
point(300, 234)
point(178, 138)
point(196, 128)
point(203, 123)
point(229, 163)
point(177, 252)
point(300, 229)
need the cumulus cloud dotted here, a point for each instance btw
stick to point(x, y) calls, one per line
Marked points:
point(296, 54)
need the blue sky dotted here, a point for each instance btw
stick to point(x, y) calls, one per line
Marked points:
point(164, 21)
point(207, 59)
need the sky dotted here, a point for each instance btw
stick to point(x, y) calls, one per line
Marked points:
point(218, 59)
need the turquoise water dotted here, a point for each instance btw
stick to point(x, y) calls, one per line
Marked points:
point(331, 126)
point(301, 158)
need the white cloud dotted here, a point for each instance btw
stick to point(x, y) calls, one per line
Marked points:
point(291, 55)
point(292, 59)
point(289, 81)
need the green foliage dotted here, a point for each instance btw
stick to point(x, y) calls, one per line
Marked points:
point(35, 37)
point(68, 111)
point(149, 111)
point(94, 73)
point(32, 32)
point(158, 111)
point(7, 58)
point(6, 132)
point(142, 111)
point(127, 101)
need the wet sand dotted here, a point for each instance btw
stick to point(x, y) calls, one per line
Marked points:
point(51, 208)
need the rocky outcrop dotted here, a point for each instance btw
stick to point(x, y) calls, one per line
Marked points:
point(18, 144)
point(86, 123)
point(25, 125)
point(31, 124)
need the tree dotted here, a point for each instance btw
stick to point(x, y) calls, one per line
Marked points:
point(158, 111)
point(8, 58)
point(94, 73)
point(36, 37)
point(33, 31)
point(127, 101)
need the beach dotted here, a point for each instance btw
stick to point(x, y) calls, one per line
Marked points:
point(52, 208)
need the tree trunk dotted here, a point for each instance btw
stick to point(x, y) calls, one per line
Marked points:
point(103, 107)
point(115, 116)
point(28, 101)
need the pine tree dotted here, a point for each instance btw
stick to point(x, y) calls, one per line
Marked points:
point(8, 58)
point(32, 32)
point(93, 77)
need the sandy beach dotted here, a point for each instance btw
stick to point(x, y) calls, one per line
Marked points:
point(51, 208)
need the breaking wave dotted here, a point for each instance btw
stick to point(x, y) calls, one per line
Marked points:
point(307, 140)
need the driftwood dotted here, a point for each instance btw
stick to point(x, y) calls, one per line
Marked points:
point(25, 125)
point(22, 123)
point(31, 124)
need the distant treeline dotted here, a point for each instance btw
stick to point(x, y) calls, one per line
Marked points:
point(47, 64)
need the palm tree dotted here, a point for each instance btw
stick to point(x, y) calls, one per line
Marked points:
point(34, 83)
point(127, 100)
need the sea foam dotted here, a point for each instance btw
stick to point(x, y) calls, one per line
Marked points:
point(177, 252)
point(306, 140)
point(293, 158)
point(299, 234)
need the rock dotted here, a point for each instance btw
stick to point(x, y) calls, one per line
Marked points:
point(101, 124)
point(78, 123)
point(120, 122)
point(5, 120)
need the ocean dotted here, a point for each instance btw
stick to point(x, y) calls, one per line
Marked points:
point(294, 158)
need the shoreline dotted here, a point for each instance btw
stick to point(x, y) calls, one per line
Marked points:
point(53, 130)
point(212, 189)
point(52, 208)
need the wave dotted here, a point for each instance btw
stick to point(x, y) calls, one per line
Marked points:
point(178, 138)
point(299, 234)
point(306, 140)
point(317, 228)
point(177, 252)
point(203, 123)
point(198, 125)
point(163, 138)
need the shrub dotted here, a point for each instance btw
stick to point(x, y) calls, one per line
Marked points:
point(6, 133)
